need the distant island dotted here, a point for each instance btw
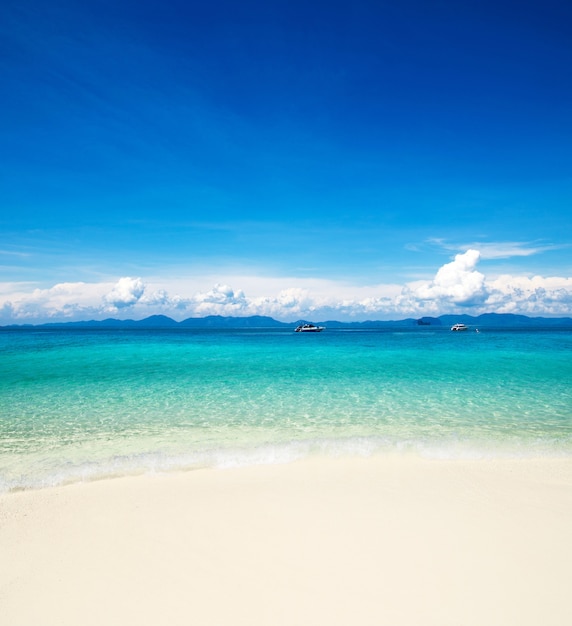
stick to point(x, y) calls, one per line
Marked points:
point(503, 320)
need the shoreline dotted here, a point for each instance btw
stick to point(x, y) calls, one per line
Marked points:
point(399, 540)
point(269, 455)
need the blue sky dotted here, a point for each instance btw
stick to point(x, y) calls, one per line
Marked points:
point(356, 160)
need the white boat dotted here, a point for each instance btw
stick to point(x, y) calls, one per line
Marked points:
point(309, 328)
point(459, 327)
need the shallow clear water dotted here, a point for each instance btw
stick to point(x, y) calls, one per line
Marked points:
point(78, 404)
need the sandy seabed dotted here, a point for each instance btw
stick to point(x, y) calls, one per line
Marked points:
point(318, 542)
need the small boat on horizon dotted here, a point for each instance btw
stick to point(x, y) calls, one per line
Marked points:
point(309, 328)
point(458, 327)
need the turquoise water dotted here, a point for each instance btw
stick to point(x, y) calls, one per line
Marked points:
point(83, 404)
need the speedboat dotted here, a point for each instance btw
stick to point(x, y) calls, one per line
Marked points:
point(459, 327)
point(309, 328)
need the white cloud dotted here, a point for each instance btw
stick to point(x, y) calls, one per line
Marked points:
point(161, 298)
point(509, 249)
point(63, 300)
point(221, 295)
point(456, 283)
point(220, 300)
point(531, 296)
point(456, 287)
point(291, 303)
point(500, 249)
point(125, 293)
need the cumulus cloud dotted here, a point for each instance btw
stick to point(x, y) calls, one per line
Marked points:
point(63, 300)
point(221, 295)
point(220, 300)
point(531, 296)
point(456, 283)
point(290, 303)
point(161, 299)
point(125, 293)
point(457, 286)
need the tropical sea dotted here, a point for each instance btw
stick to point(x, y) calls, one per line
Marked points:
point(82, 404)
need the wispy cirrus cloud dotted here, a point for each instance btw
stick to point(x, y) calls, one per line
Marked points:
point(500, 249)
point(14, 253)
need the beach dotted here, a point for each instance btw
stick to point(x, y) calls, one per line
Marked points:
point(269, 478)
point(381, 540)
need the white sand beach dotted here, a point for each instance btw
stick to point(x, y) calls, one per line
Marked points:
point(318, 542)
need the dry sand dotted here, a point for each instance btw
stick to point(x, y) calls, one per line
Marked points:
point(318, 542)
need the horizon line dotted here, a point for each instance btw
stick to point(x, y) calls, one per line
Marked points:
point(420, 321)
